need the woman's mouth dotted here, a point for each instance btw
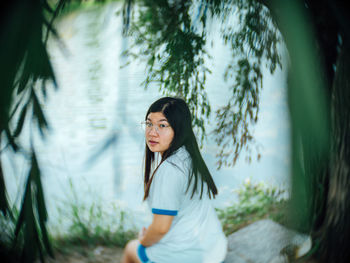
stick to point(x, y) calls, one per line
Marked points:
point(152, 143)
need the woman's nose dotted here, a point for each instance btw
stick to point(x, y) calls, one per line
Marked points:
point(153, 131)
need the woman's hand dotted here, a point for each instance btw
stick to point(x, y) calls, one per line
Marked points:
point(158, 228)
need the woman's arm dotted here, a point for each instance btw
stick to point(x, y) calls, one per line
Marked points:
point(157, 229)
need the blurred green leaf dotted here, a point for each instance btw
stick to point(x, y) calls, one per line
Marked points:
point(171, 37)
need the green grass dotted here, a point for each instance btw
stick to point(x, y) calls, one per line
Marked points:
point(255, 202)
point(92, 224)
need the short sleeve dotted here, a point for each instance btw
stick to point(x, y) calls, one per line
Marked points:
point(167, 189)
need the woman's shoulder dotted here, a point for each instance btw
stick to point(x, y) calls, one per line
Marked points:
point(180, 160)
point(175, 168)
point(180, 155)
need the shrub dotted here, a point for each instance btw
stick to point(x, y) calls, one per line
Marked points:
point(255, 202)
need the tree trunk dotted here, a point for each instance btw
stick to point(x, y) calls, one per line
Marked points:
point(335, 232)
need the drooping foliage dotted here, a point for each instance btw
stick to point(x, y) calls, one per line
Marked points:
point(254, 42)
point(174, 52)
point(171, 36)
point(33, 217)
point(25, 70)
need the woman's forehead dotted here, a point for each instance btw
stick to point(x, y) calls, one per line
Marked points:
point(156, 117)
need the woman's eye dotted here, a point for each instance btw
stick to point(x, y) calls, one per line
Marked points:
point(149, 124)
point(162, 126)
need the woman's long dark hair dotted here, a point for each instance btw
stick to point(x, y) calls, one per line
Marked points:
point(179, 117)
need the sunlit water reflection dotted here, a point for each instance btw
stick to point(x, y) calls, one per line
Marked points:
point(97, 100)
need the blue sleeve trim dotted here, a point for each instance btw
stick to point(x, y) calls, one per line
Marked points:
point(141, 251)
point(164, 212)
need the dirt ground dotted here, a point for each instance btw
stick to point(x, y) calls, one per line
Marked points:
point(98, 254)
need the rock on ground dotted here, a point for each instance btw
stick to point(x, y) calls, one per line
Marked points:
point(262, 242)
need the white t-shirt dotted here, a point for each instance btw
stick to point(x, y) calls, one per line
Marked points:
point(195, 235)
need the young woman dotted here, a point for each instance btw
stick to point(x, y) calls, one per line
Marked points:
point(185, 227)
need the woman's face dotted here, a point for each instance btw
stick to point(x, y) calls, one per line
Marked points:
point(159, 134)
